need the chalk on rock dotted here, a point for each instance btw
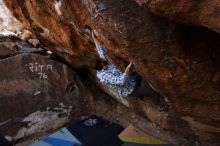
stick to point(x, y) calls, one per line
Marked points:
point(49, 52)
point(9, 138)
point(6, 32)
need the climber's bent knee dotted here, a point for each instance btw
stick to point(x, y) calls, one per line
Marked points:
point(145, 91)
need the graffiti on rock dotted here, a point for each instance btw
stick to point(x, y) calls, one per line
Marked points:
point(41, 69)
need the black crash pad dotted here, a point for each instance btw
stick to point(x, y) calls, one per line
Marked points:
point(95, 131)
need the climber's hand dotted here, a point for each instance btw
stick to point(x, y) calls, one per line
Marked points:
point(130, 65)
point(128, 68)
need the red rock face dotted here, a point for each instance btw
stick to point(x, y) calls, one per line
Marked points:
point(202, 13)
point(181, 62)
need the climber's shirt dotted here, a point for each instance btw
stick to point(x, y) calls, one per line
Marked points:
point(119, 82)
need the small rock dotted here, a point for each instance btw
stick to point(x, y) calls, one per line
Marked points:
point(34, 42)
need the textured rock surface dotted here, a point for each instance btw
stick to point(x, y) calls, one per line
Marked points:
point(37, 94)
point(180, 62)
point(7, 20)
point(201, 13)
point(10, 46)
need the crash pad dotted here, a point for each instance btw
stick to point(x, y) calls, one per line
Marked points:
point(133, 136)
point(61, 138)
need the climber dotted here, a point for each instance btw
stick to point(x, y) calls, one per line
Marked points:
point(122, 83)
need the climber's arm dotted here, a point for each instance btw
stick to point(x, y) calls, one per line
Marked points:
point(100, 49)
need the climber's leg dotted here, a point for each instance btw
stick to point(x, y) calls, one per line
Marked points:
point(144, 90)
